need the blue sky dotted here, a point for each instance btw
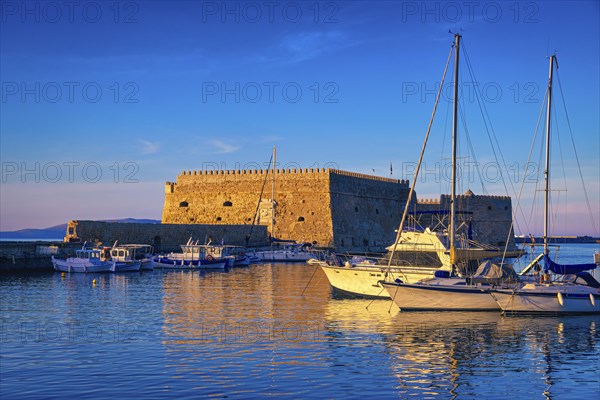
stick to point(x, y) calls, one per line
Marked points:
point(102, 102)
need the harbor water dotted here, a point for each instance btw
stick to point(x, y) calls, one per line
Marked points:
point(274, 330)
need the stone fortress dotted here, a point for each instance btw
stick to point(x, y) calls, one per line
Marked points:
point(330, 208)
point(344, 210)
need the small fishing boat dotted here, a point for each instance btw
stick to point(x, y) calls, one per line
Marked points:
point(123, 260)
point(142, 253)
point(235, 256)
point(85, 260)
point(192, 256)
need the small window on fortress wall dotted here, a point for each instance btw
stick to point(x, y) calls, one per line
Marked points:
point(227, 204)
point(300, 219)
point(218, 219)
point(183, 204)
point(489, 207)
point(355, 209)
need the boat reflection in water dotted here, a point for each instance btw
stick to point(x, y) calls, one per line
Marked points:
point(486, 355)
point(471, 354)
point(252, 334)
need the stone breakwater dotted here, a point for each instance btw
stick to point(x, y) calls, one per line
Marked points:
point(32, 256)
point(164, 237)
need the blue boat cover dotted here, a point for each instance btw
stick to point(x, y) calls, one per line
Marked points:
point(562, 269)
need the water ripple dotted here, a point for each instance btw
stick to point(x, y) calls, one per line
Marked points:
point(249, 333)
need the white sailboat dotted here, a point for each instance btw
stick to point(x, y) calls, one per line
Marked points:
point(561, 289)
point(414, 256)
point(448, 291)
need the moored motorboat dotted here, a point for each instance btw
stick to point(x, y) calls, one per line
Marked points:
point(168, 262)
point(192, 256)
point(142, 253)
point(122, 259)
point(85, 260)
point(285, 252)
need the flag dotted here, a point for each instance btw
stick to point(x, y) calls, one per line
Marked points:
point(391, 170)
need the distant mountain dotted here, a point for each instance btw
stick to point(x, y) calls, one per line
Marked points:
point(59, 231)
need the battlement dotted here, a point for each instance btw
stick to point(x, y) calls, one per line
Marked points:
point(371, 177)
point(290, 171)
point(478, 196)
point(428, 201)
point(256, 171)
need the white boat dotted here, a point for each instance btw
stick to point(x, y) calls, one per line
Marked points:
point(285, 252)
point(446, 293)
point(235, 256)
point(85, 260)
point(416, 256)
point(253, 258)
point(192, 256)
point(123, 260)
point(567, 297)
point(561, 289)
point(142, 253)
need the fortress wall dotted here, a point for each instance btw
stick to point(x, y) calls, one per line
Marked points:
point(164, 237)
point(347, 210)
point(490, 216)
point(302, 204)
point(365, 210)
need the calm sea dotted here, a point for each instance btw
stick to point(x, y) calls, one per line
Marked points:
point(251, 333)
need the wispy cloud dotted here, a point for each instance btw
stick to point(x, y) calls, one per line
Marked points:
point(307, 45)
point(148, 147)
point(224, 148)
point(303, 46)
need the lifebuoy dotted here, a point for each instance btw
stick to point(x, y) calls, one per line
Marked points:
point(209, 257)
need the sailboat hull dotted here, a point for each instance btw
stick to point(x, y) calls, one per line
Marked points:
point(545, 299)
point(364, 281)
point(424, 297)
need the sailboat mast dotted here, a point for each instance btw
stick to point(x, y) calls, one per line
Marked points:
point(547, 168)
point(273, 193)
point(454, 143)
